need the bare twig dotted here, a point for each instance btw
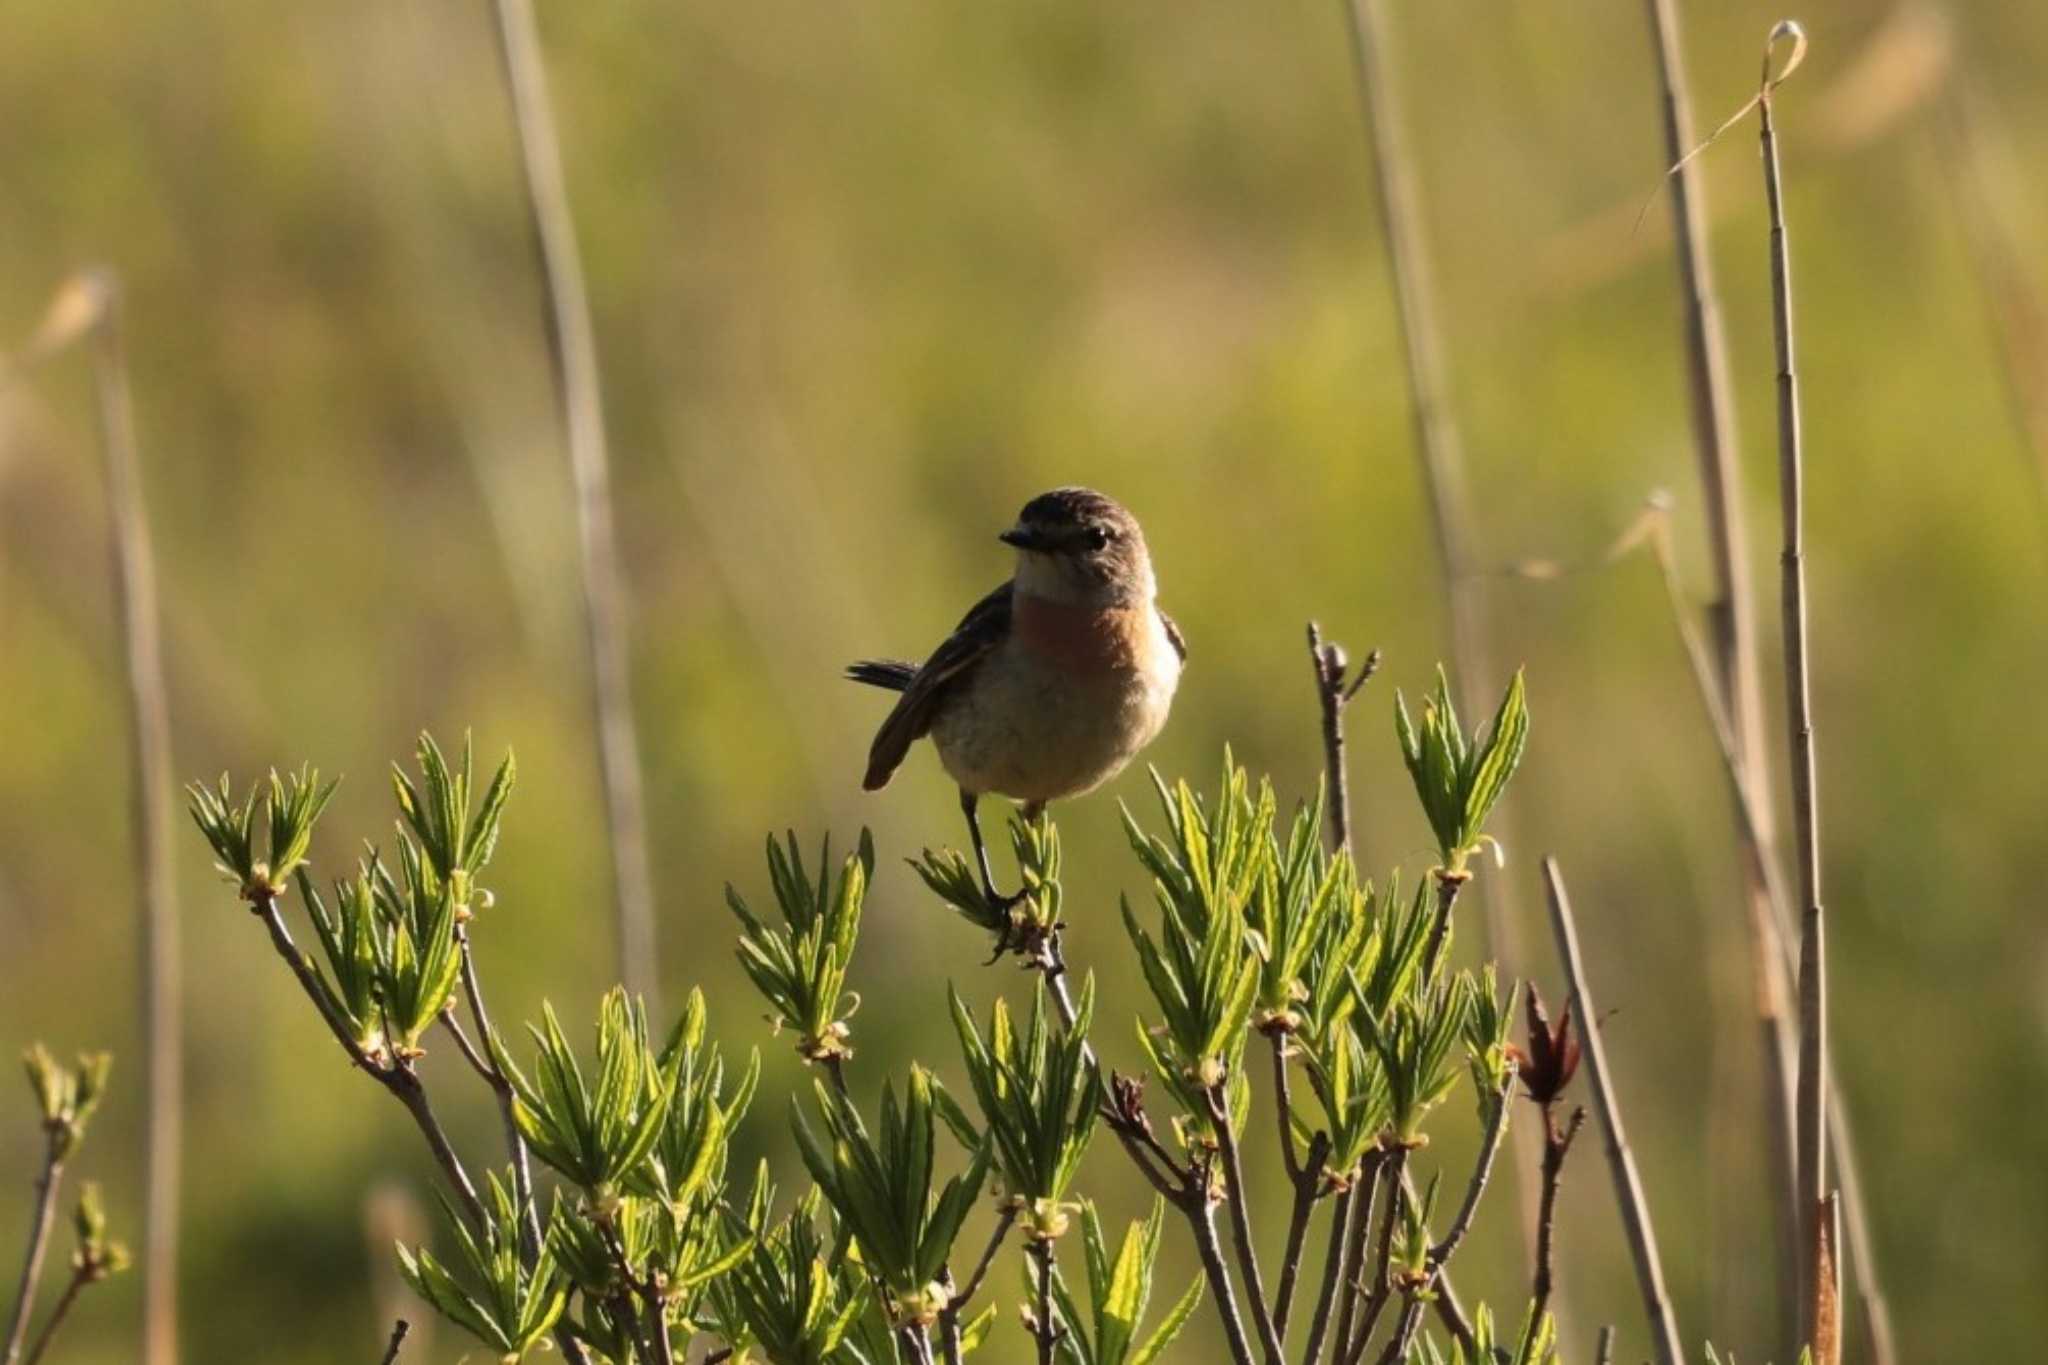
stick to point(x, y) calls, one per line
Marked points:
point(1334, 691)
point(1378, 1286)
point(1308, 1189)
point(401, 1081)
point(72, 1289)
point(1187, 1190)
point(1334, 1262)
point(572, 348)
point(1489, 1147)
point(501, 1088)
point(1045, 1326)
point(1203, 1221)
point(47, 1182)
point(1628, 1186)
point(988, 1258)
point(1448, 885)
point(1364, 1196)
point(1603, 1353)
point(1241, 1226)
point(399, 1330)
point(1557, 1145)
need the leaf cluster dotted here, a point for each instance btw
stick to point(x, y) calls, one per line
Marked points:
point(1203, 967)
point(66, 1096)
point(1459, 777)
point(1119, 1288)
point(881, 1187)
point(1040, 1097)
point(513, 1307)
point(291, 805)
point(801, 967)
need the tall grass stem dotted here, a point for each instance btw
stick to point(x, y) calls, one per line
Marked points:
point(572, 348)
point(1817, 1294)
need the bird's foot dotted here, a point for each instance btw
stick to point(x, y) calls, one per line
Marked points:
point(1015, 933)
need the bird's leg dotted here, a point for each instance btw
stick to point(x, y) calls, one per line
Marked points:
point(999, 903)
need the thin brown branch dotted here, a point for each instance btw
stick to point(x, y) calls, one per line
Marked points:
point(1557, 1145)
point(1045, 1324)
point(1365, 1196)
point(72, 1289)
point(403, 1083)
point(47, 1182)
point(1448, 885)
point(515, 1143)
point(1333, 692)
point(1201, 1218)
point(1378, 1287)
point(1241, 1226)
point(572, 347)
point(1308, 1189)
point(468, 1049)
point(1489, 1147)
point(1403, 1335)
point(399, 1330)
point(988, 1258)
point(1333, 1264)
point(1628, 1186)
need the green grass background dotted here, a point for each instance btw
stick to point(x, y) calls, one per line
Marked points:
point(865, 277)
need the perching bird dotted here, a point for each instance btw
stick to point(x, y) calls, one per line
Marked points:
point(1053, 681)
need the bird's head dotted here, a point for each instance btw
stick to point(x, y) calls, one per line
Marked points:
point(1078, 545)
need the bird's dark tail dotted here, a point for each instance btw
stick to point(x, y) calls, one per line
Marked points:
point(892, 675)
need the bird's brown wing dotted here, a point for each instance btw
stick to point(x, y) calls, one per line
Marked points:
point(980, 631)
point(1173, 635)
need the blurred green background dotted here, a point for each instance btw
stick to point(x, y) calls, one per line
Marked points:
point(866, 277)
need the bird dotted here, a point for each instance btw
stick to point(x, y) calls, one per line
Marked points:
point(1052, 682)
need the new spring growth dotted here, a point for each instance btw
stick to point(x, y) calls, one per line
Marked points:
point(1459, 777)
point(292, 804)
point(96, 1256)
point(67, 1095)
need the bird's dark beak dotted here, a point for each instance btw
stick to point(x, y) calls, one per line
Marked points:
point(1024, 537)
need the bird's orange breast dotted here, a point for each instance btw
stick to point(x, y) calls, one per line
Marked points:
point(1088, 640)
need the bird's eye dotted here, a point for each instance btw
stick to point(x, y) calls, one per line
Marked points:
point(1098, 537)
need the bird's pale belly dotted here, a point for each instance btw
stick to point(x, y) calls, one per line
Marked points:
point(1034, 729)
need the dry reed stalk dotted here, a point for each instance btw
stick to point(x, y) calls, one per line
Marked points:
point(1438, 446)
point(1628, 1185)
point(1818, 1291)
point(572, 349)
point(1730, 613)
point(87, 308)
point(1652, 530)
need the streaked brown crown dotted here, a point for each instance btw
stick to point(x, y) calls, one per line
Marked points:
point(1090, 532)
